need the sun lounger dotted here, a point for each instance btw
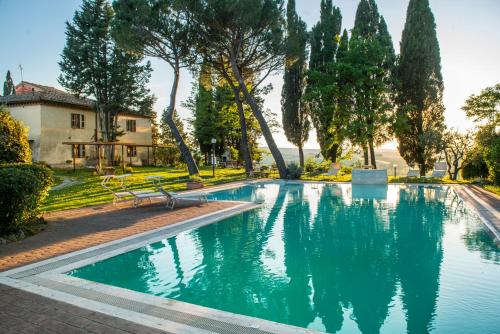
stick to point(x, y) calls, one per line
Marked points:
point(139, 196)
point(440, 170)
point(173, 198)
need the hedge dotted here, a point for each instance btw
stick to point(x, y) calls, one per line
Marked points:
point(22, 189)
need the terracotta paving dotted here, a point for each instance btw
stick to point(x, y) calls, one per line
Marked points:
point(77, 229)
point(68, 231)
point(24, 312)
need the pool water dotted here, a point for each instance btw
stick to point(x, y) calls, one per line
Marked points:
point(335, 258)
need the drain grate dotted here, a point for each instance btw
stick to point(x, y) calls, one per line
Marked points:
point(204, 323)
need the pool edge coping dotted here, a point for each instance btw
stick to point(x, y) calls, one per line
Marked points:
point(212, 217)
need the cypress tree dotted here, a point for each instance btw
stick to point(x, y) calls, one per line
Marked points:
point(8, 85)
point(371, 57)
point(295, 118)
point(322, 78)
point(420, 114)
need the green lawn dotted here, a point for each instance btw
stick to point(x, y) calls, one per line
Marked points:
point(88, 191)
point(493, 189)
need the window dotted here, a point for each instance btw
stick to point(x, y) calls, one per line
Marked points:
point(79, 151)
point(131, 124)
point(77, 121)
point(131, 151)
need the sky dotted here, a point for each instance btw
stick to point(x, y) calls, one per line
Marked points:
point(32, 33)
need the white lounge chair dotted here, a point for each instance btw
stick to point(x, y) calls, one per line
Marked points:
point(439, 171)
point(139, 196)
point(173, 198)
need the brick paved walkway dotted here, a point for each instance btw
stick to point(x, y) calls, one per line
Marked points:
point(24, 312)
point(76, 229)
point(68, 231)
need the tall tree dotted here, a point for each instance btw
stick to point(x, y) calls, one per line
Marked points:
point(159, 29)
point(322, 82)
point(295, 117)
point(484, 109)
point(245, 39)
point(8, 85)
point(93, 65)
point(371, 58)
point(420, 113)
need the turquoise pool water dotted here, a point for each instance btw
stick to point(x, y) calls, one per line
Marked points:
point(334, 258)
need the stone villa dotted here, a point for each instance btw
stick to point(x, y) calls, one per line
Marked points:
point(54, 116)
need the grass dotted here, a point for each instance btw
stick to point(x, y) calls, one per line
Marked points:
point(493, 189)
point(88, 191)
point(425, 180)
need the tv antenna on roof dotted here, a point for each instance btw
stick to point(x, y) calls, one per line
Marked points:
point(21, 69)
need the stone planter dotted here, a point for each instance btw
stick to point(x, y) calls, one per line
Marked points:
point(194, 185)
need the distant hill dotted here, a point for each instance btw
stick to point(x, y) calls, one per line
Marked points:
point(386, 158)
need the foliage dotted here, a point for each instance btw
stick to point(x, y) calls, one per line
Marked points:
point(195, 178)
point(169, 155)
point(8, 85)
point(243, 41)
point(475, 166)
point(494, 189)
point(14, 145)
point(295, 117)
point(369, 66)
point(22, 189)
point(485, 106)
point(216, 115)
point(159, 29)
point(93, 65)
point(420, 114)
point(457, 149)
point(426, 180)
point(294, 171)
point(485, 109)
point(325, 93)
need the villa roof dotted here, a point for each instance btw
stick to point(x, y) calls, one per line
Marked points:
point(32, 93)
point(29, 93)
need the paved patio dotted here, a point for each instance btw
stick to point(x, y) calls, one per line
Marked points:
point(68, 231)
point(72, 230)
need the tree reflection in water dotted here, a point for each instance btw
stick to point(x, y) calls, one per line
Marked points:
point(314, 256)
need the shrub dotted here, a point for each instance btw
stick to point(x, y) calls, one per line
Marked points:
point(195, 178)
point(310, 165)
point(14, 146)
point(345, 171)
point(475, 167)
point(293, 171)
point(22, 189)
point(129, 170)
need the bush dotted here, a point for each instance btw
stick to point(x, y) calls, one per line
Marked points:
point(311, 165)
point(22, 189)
point(293, 171)
point(475, 167)
point(14, 146)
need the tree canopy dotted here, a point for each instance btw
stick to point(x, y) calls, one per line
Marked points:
point(14, 146)
point(8, 85)
point(295, 117)
point(420, 113)
point(159, 29)
point(93, 65)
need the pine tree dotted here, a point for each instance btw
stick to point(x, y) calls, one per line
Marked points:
point(295, 117)
point(8, 85)
point(93, 65)
point(159, 29)
point(322, 81)
point(420, 114)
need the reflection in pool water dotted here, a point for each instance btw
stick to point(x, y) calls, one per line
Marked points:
point(388, 259)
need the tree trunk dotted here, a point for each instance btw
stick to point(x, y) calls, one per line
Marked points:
point(365, 154)
point(245, 150)
point(372, 155)
point(266, 132)
point(168, 117)
point(301, 156)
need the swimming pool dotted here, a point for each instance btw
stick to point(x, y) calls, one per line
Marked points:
point(330, 257)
